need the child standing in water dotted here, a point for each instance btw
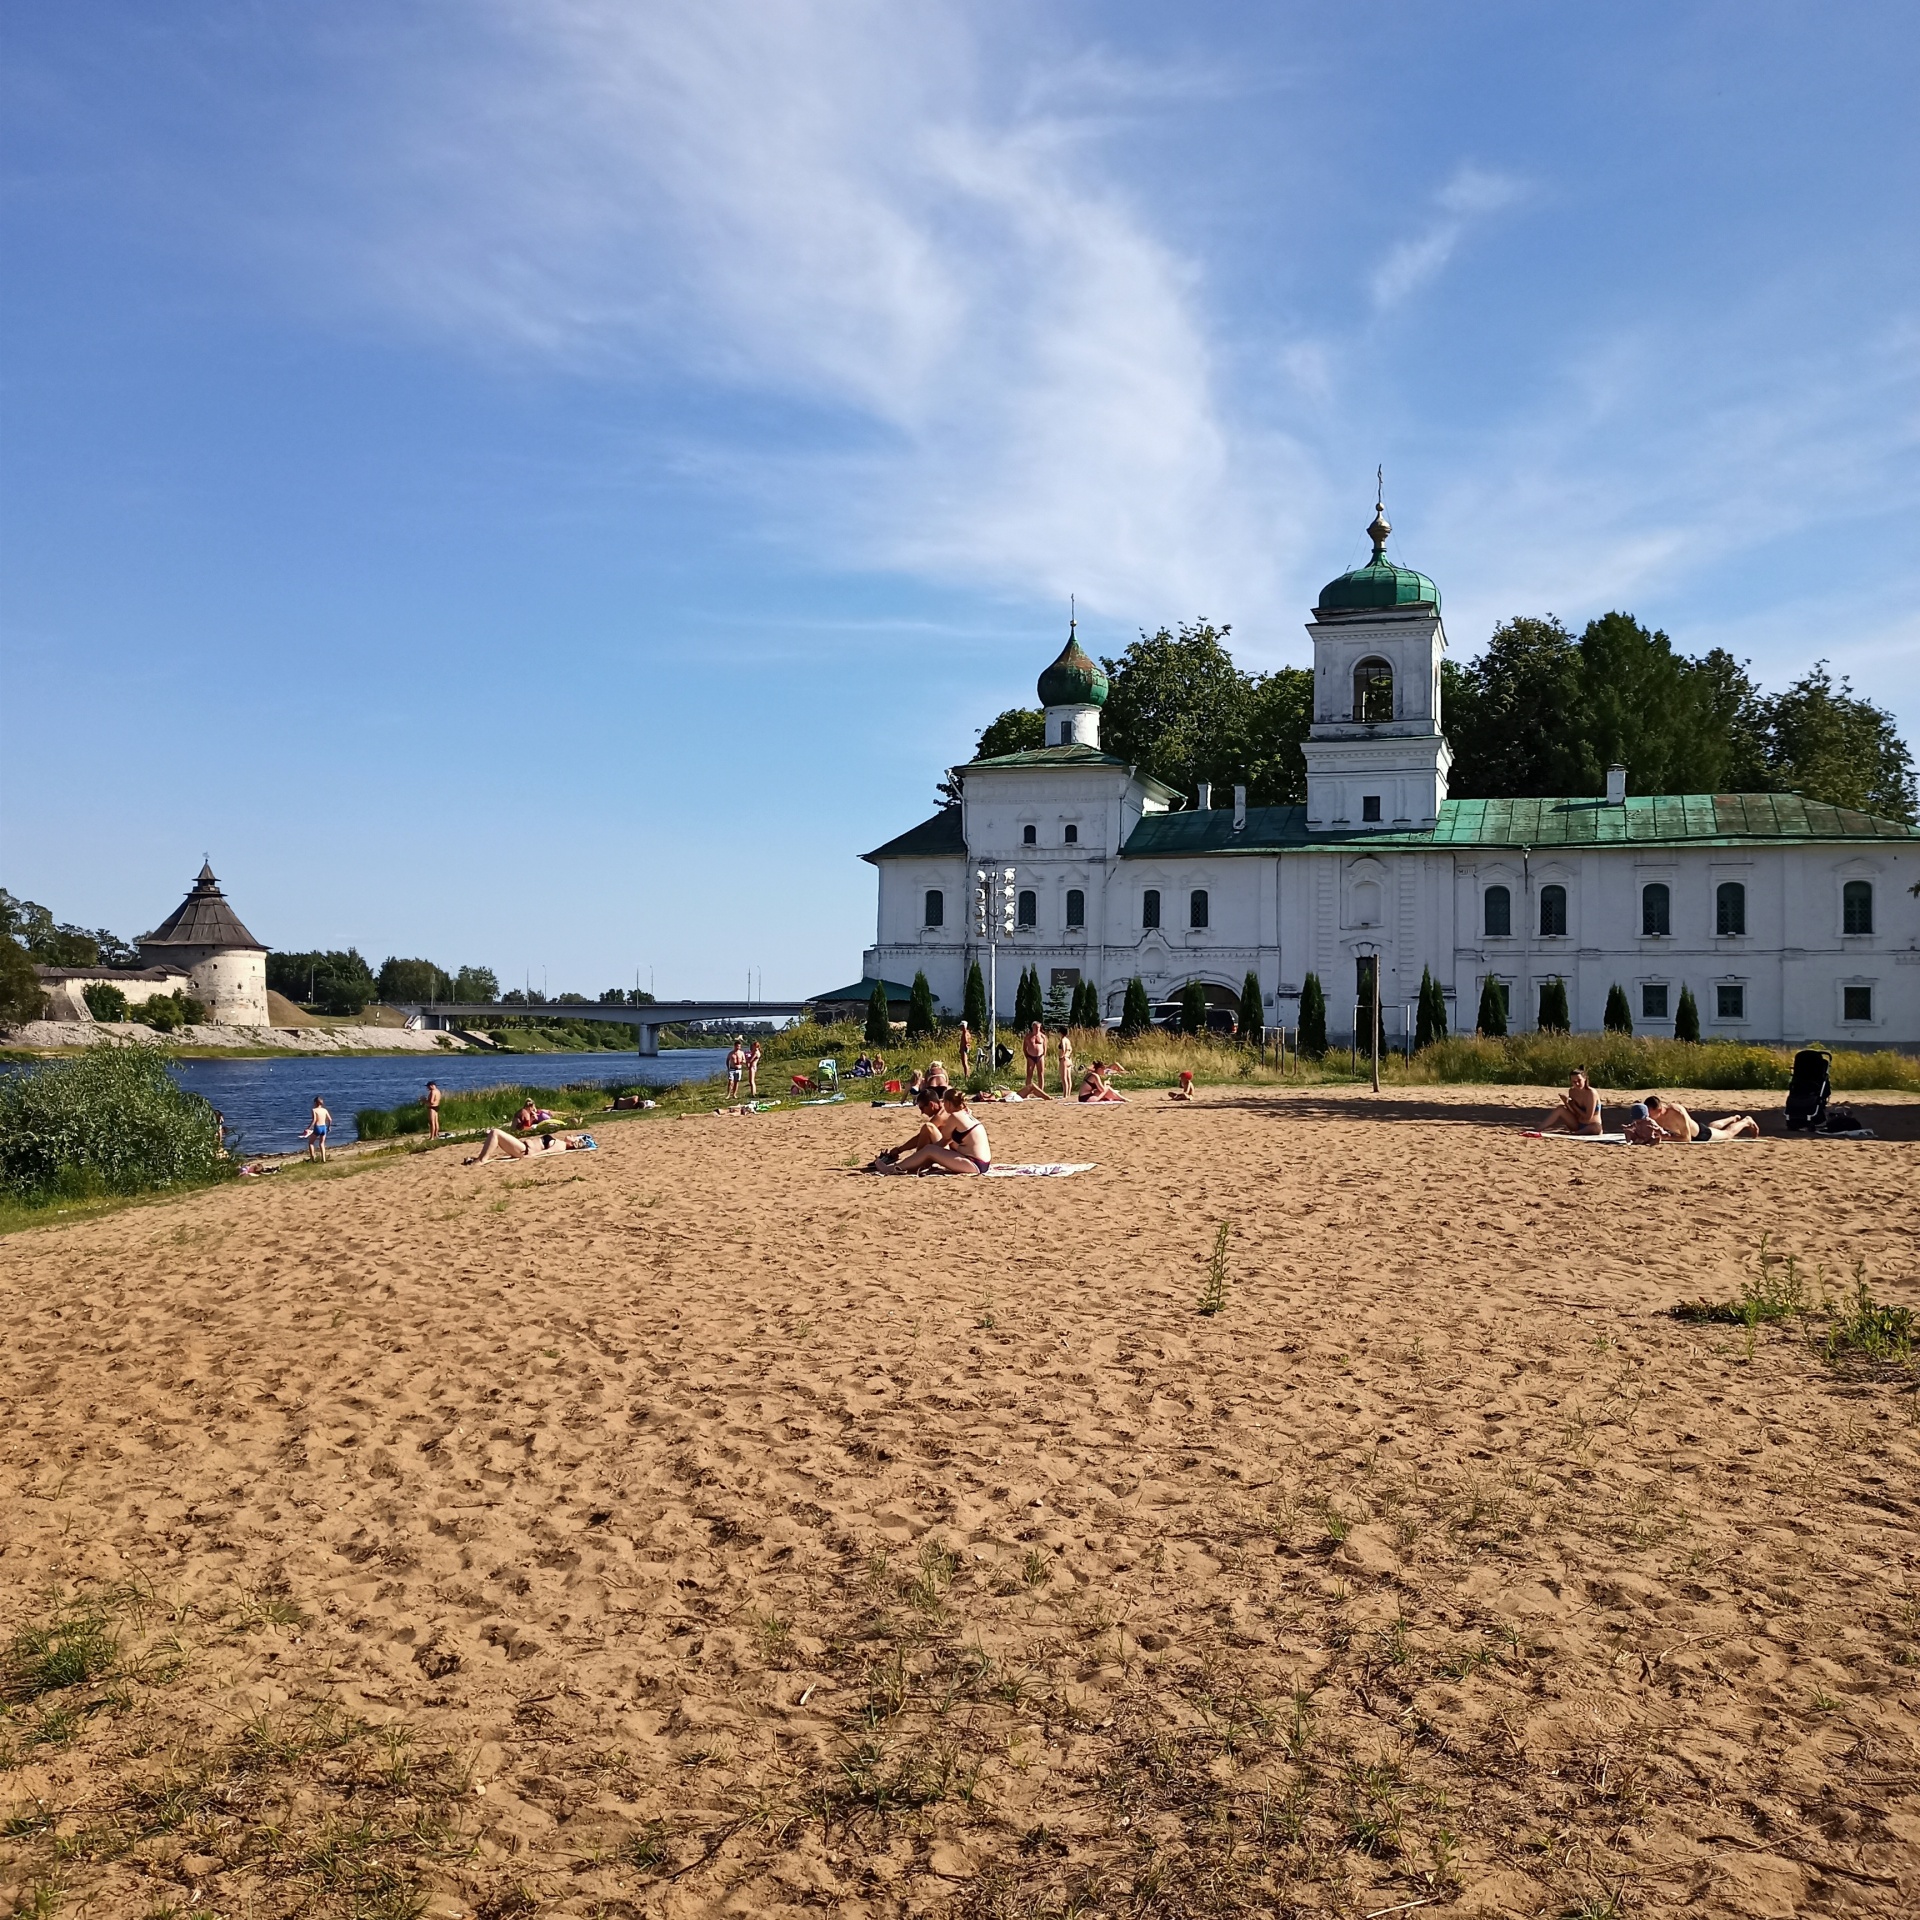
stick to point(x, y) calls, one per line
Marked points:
point(317, 1126)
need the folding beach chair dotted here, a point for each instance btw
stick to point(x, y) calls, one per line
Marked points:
point(801, 1084)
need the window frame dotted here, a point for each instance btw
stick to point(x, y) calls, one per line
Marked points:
point(1664, 988)
point(1199, 910)
point(1076, 907)
point(1664, 888)
point(1029, 835)
point(1721, 988)
point(1505, 892)
point(1850, 987)
point(1847, 898)
point(933, 907)
point(1729, 894)
point(1378, 671)
point(1070, 834)
point(1026, 909)
point(1553, 889)
point(1369, 808)
point(1149, 909)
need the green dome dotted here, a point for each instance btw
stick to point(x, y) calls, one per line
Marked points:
point(1073, 680)
point(1379, 585)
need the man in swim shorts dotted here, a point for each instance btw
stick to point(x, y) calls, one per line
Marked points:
point(318, 1126)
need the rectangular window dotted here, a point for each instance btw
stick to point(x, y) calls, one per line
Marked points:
point(936, 908)
point(1369, 806)
point(1029, 914)
point(1656, 918)
point(1553, 911)
point(1856, 1003)
point(1856, 907)
point(1653, 1000)
point(1730, 1000)
point(1197, 907)
point(1150, 907)
point(1729, 908)
point(1076, 907)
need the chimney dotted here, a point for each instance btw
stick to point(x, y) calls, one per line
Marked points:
point(1616, 786)
point(1239, 808)
point(1206, 796)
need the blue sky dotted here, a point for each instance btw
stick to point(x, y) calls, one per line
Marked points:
point(547, 484)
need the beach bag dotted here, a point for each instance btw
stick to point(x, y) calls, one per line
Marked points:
point(1810, 1091)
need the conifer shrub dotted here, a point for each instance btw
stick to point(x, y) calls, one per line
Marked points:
point(1430, 1015)
point(879, 1020)
point(1193, 1008)
point(1686, 1018)
point(1029, 1003)
point(920, 1023)
point(1554, 1017)
point(974, 1007)
point(1491, 1020)
point(1618, 1017)
point(1136, 1011)
point(111, 1121)
point(1312, 1041)
point(1253, 1019)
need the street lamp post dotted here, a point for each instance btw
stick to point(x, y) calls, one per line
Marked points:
point(993, 909)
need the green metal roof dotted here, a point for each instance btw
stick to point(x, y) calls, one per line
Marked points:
point(1075, 754)
point(931, 839)
point(1376, 587)
point(1655, 819)
point(1075, 679)
point(862, 990)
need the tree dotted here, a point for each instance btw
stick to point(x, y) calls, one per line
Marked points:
point(53, 943)
point(1311, 1039)
point(1087, 1013)
point(920, 1009)
point(1193, 1007)
point(1029, 1003)
point(879, 1020)
point(1253, 1019)
point(1829, 744)
point(1553, 1007)
point(1058, 1000)
point(1136, 1011)
point(1430, 1016)
point(1505, 713)
point(1618, 1017)
point(104, 1001)
point(21, 995)
point(974, 1008)
point(338, 983)
point(1018, 730)
point(1686, 1018)
point(476, 986)
point(1491, 1019)
point(1176, 706)
point(411, 981)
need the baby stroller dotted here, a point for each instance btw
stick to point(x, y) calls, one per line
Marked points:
point(1812, 1088)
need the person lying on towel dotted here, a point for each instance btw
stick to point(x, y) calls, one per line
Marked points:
point(499, 1144)
point(1579, 1109)
point(1671, 1121)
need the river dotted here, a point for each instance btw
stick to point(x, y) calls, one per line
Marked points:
point(266, 1101)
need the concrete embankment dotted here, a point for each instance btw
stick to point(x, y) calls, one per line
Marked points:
point(46, 1036)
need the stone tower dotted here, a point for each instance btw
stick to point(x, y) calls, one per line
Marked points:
point(204, 939)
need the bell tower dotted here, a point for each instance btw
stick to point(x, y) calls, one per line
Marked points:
point(1376, 758)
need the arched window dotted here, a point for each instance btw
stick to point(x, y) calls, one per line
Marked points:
point(1073, 835)
point(1856, 907)
point(1066, 733)
point(1553, 910)
point(1028, 835)
point(1729, 908)
point(1373, 691)
point(1197, 907)
point(1150, 907)
point(1076, 907)
point(936, 908)
point(1656, 910)
point(1029, 913)
point(1499, 913)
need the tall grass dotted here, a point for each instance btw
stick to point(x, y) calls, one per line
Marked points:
point(1631, 1061)
point(111, 1121)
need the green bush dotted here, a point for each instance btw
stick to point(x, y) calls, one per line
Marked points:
point(111, 1121)
point(1136, 1011)
point(1491, 1020)
point(1193, 1007)
point(1253, 1019)
point(488, 1107)
point(1312, 1037)
point(1628, 1063)
point(1554, 1017)
point(21, 995)
point(920, 1009)
point(1686, 1020)
point(1618, 1017)
point(104, 1000)
point(879, 1021)
point(974, 1011)
point(169, 1012)
point(1430, 1016)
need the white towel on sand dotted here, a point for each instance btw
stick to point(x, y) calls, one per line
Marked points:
point(1049, 1170)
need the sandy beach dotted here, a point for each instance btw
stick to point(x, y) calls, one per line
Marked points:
point(714, 1531)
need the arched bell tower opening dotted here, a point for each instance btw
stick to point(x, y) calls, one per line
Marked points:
point(1376, 758)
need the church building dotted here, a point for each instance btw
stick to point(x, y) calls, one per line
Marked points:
point(1790, 920)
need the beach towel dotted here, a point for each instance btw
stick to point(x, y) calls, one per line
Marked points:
point(1590, 1139)
point(1048, 1170)
point(832, 1100)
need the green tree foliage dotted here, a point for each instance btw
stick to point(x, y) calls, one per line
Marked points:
point(1491, 1019)
point(1086, 1005)
point(1829, 744)
point(1029, 1003)
point(1253, 1017)
point(974, 1008)
point(879, 1021)
point(104, 1000)
point(407, 981)
point(1312, 1037)
point(336, 982)
point(1554, 1017)
point(1136, 1011)
point(53, 943)
point(169, 1012)
point(111, 1121)
point(624, 997)
point(1018, 730)
point(1430, 1015)
point(478, 986)
point(21, 995)
point(1193, 1007)
point(1686, 1017)
point(1059, 1005)
point(1618, 1017)
point(920, 1009)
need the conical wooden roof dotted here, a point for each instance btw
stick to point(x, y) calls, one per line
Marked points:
point(202, 919)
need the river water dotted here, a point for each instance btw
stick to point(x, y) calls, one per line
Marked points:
point(266, 1101)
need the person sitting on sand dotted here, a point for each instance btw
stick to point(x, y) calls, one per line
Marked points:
point(1579, 1111)
point(1184, 1091)
point(1033, 1044)
point(960, 1148)
point(862, 1069)
point(1096, 1084)
point(499, 1144)
point(930, 1132)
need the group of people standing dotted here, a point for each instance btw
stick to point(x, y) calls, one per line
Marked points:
point(743, 1063)
point(1096, 1081)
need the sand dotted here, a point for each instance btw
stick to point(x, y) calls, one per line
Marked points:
point(728, 1533)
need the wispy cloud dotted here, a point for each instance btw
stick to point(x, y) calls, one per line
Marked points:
point(1471, 195)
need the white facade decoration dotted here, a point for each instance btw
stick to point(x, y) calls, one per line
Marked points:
point(1789, 920)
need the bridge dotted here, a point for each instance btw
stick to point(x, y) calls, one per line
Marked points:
point(649, 1019)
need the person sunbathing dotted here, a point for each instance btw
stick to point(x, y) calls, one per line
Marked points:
point(1578, 1111)
point(961, 1143)
point(1096, 1084)
point(499, 1144)
point(931, 1132)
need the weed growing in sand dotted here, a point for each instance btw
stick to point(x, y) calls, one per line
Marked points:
point(1864, 1329)
point(1213, 1297)
point(1035, 1570)
point(74, 1645)
point(1775, 1294)
point(775, 1635)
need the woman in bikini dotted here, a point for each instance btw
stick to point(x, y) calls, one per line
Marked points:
point(1094, 1085)
point(961, 1145)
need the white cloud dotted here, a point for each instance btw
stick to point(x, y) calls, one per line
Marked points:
point(1472, 194)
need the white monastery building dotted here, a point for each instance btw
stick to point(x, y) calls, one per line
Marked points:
point(1790, 920)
